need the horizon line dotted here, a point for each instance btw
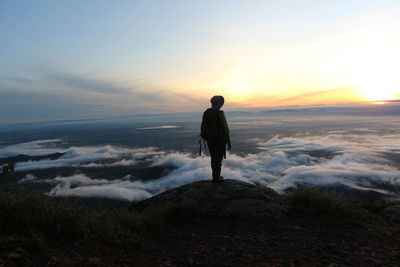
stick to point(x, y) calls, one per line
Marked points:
point(293, 107)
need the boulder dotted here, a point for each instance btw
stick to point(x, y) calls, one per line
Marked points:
point(229, 198)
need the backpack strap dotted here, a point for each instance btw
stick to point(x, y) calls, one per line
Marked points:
point(224, 151)
point(200, 147)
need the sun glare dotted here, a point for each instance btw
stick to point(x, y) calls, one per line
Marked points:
point(379, 86)
point(378, 93)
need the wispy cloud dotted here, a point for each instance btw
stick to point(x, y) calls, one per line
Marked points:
point(318, 95)
point(61, 95)
point(86, 83)
point(330, 96)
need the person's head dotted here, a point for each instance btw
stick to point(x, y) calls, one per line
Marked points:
point(217, 101)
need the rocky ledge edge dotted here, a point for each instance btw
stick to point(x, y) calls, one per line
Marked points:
point(225, 199)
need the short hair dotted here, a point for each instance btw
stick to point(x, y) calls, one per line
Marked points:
point(217, 100)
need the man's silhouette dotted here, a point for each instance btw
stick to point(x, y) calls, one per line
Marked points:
point(215, 130)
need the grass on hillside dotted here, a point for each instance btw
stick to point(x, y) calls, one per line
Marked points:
point(336, 208)
point(32, 214)
point(35, 215)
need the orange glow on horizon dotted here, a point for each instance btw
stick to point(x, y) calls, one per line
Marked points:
point(314, 97)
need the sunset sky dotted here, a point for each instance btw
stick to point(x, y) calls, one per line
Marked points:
point(94, 58)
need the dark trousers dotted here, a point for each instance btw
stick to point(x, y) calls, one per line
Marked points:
point(217, 151)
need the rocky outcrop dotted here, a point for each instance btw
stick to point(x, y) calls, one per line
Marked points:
point(229, 198)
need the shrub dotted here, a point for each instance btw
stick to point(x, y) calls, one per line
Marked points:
point(6, 169)
point(335, 208)
point(377, 207)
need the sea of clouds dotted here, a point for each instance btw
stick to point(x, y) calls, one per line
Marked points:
point(359, 162)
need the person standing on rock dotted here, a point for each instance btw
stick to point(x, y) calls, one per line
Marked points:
point(215, 130)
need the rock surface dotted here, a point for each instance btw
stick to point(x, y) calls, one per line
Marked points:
point(229, 198)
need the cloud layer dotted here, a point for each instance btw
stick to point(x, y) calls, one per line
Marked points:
point(335, 160)
point(90, 157)
point(34, 148)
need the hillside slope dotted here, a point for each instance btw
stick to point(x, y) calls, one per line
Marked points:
point(202, 224)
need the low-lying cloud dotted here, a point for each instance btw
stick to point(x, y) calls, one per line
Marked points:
point(90, 157)
point(81, 186)
point(34, 148)
point(281, 163)
point(159, 127)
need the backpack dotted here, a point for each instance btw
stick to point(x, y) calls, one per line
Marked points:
point(210, 125)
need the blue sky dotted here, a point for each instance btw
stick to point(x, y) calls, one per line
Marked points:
point(79, 59)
